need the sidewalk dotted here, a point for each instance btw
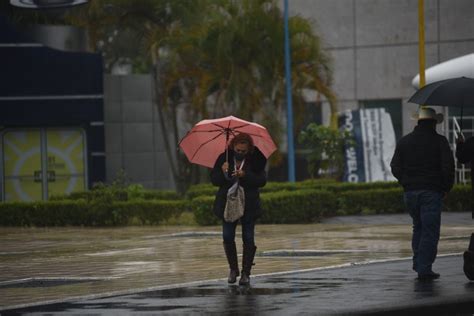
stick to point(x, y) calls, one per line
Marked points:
point(388, 288)
point(155, 270)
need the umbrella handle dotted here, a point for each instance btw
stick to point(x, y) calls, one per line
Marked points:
point(226, 146)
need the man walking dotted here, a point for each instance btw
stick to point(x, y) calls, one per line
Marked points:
point(424, 165)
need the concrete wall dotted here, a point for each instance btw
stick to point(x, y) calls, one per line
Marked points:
point(133, 139)
point(374, 44)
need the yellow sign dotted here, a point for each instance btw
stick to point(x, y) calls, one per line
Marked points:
point(22, 161)
point(65, 168)
point(26, 177)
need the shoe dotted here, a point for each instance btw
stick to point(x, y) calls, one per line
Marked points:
point(428, 276)
point(244, 279)
point(468, 265)
point(233, 274)
point(231, 254)
point(247, 263)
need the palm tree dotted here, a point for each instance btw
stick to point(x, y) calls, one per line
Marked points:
point(243, 50)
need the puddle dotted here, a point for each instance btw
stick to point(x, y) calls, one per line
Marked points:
point(41, 283)
point(92, 309)
point(221, 291)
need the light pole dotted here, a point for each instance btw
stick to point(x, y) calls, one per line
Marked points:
point(289, 104)
point(421, 42)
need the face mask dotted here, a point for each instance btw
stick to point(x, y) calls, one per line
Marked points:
point(239, 156)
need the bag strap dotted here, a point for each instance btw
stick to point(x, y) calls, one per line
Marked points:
point(241, 165)
point(240, 168)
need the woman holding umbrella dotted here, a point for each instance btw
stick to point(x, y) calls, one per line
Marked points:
point(242, 162)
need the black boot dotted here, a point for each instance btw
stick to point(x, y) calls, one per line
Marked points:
point(247, 263)
point(468, 266)
point(231, 254)
point(471, 243)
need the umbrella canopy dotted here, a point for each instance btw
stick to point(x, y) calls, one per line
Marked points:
point(455, 92)
point(210, 138)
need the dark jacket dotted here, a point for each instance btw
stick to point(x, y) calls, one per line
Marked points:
point(465, 154)
point(423, 160)
point(254, 178)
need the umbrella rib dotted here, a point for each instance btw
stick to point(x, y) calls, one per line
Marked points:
point(240, 126)
point(206, 142)
point(220, 126)
point(207, 131)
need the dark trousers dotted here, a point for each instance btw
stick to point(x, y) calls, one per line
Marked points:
point(248, 231)
point(424, 207)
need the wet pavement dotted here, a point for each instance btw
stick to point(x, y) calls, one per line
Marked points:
point(372, 288)
point(178, 270)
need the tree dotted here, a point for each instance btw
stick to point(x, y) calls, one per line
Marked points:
point(243, 50)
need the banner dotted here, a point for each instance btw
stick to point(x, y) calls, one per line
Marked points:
point(368, 160)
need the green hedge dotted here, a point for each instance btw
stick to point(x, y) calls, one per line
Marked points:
point(316, 184)
point(375, 201)
point(348, 186)
point(287, 207)
point(308, 205)
point(202, 209)
point(459, 199)
point(208, 189)
point(201, 190)
point(120, 195)
point(303, 206)
point(303, 202)
point(81, 212)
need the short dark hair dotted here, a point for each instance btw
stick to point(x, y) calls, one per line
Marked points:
point(242, 138)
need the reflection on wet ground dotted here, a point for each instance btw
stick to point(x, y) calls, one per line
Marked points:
point(125, 258)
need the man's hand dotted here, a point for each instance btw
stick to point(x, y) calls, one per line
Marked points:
point(225, 167)
point(460, 139)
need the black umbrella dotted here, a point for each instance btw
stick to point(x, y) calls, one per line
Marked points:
point(455, 92)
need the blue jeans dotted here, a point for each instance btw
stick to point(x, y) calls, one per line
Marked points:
point(248, 231)
point(424, 207)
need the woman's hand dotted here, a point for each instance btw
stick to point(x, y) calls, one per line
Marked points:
point(225, 167)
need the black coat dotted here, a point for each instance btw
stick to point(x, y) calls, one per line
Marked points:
point(254, 178)
point(423, 161)
point(465, 154)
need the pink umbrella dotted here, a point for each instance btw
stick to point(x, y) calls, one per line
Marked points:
point(209, 138)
